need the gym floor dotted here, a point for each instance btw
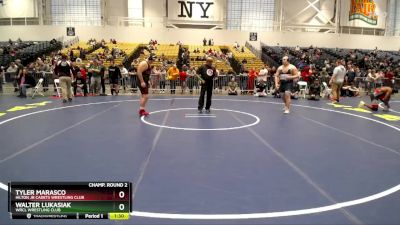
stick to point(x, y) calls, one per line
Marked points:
point(245, 163)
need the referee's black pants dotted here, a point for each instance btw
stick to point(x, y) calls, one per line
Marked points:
point(207, 87)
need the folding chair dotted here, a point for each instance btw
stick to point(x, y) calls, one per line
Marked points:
point(303, 88)
point(36, 89)
point(57, 86)
point(327, 91)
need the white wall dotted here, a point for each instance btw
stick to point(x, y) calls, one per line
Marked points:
point(154, 8)
point(195, 36)
point(18, 9)
point(154, 11)
point(114, 8)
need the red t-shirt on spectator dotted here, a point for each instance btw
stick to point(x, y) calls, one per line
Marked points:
point(182, 75)
point(305, 74)
point(389, 76)
point(83, 73)
point(253, 73)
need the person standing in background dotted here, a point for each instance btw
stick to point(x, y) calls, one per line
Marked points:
point(173, 74)
point(114, 75)
point(64, 72)
point(102, 78)
point(94, 70)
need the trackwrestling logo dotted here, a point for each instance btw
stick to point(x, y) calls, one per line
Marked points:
point(363, 10)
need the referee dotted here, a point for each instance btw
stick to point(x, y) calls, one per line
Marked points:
point(206, 74)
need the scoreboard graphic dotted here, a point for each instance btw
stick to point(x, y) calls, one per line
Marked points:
point(70, 200)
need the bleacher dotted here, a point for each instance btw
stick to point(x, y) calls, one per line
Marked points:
point(128, 48)
point(219, 63)
point(83, 45)
point(27, 51)
point(169, 51)
point(252, 60)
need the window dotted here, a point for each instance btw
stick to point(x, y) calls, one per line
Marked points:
point(393, 22)
point(250, 15)
point(76, 12)
point(135, 8)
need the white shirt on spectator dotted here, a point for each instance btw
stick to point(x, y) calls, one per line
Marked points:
point(263, 75)
point(124, 72)
point(339, 72)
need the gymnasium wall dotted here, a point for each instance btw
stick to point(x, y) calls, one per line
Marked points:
point(195, 36)
point(19, 9)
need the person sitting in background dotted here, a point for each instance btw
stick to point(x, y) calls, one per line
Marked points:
point(233, 87)
point(261, 83)
point(349, 89)
point(324, 76)
point(80, 82)
point(294, 94)
point(26, 81)
point(315, 90)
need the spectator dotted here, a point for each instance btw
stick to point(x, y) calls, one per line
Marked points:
point(12, 71)
point(233, 87)
point(155, 77)
point(124, 76)
point(27, 81)
point(371, 76)
point(204, 42)
point(315, 90)
point(324, 76)
point(379, 77)
point(2, 78)
point(102, 78)
point(351, 74)
point(163, 73)
point(389, 78)
point(114, 76)
point(182, 78)
point(80, 82)
point(173, 74)
point(95, 82)
point(250, 83)
point(306, 74)
point(236, 45)
point(17, 74)
point(191, 73)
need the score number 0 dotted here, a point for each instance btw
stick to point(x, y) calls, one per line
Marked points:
point(121, 194)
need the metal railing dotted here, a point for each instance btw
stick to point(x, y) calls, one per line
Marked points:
point(191, 85)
